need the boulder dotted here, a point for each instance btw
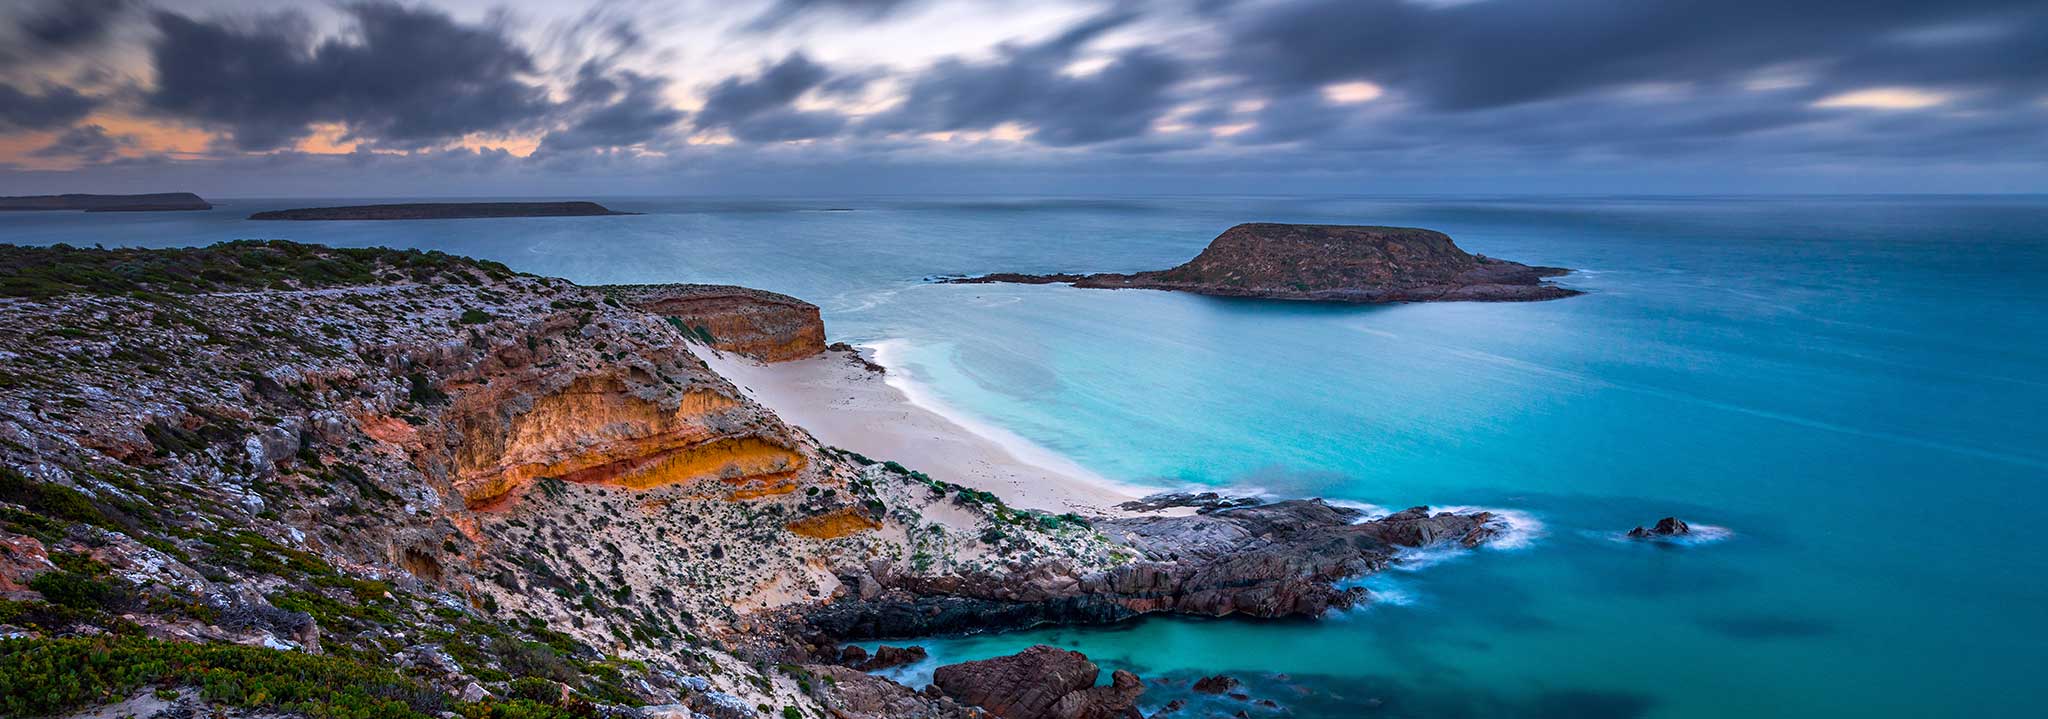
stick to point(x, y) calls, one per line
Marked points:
point(888, 657)
point(1215, 685)
point(1042, 682)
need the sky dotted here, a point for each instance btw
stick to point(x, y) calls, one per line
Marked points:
point(542, 98)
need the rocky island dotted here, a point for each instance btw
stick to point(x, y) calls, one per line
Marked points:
point(309, 481)
point(1330, 263)
point(157, 202)
point(442, 211)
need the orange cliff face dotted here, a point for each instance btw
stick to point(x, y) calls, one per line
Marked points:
point(600, 430)
point(763, 325)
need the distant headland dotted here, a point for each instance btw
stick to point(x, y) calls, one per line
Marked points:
point(442, 211)
point(1330, 263)
point(157, 202)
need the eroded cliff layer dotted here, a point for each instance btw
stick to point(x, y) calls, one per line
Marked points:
point(1330, 263)
point(763, 325)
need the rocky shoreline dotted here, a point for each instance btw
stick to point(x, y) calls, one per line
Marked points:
point(536, 497)
point(1328, 263)
point(1284, 559)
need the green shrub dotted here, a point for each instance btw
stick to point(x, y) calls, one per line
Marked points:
point(45, 677)
point(41, 272)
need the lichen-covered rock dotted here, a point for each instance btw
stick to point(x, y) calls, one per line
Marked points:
point(21, 559)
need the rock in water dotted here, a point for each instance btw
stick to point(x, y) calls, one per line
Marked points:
point(1041, 683)
point(888, 657)
point(1215, 685)
point(1331, 263)
point(1666, 527)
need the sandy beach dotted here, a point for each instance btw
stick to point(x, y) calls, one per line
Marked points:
point(847, 405)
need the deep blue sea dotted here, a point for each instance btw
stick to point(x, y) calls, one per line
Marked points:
point(1854, 388)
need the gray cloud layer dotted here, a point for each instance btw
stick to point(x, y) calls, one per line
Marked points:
point(1728, 83)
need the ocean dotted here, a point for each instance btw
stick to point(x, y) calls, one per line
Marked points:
point(1847, 391)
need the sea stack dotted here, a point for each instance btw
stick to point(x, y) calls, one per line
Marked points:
point(1331, 263)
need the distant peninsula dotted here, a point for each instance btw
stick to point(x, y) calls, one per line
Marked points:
point(157, 202)
point(1329, 263)
point(442, 211)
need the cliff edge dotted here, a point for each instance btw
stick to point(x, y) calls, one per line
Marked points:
point(763, 325)
point(1331, 263)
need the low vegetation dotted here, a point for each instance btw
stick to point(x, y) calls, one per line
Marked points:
point(43, 272)
point(49, 676)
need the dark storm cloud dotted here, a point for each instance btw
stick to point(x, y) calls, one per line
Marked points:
point(69, 23)
point(53, 107)
point(777, 86)
point(615, 109)
point(1028, 85)
point(404, 77)
point(91, 143)
point(759, 108)
point(1481, 55)
point(785, 10)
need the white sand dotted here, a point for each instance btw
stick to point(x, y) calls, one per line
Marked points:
point(848, 406)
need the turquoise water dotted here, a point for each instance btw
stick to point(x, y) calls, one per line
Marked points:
point(1851, 386)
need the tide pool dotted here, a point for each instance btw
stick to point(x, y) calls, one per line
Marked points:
point(1851, 386)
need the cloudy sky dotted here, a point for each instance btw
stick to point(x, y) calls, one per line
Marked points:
point(632, 97)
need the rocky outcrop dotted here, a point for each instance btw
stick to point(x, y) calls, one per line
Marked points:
point(1042, 682)
point(885, 657)
point(763, 325)
point(157, 202)
point(1330, 263)
point(1666, 527)
point(854, 694)
point(835, 524)
point(1285, 559)
point(1215, 684)
point(21, 559)
point(616, 428)
point(441, 211)
point(1200, 501)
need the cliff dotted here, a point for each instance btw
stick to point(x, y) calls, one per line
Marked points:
point(158, 202)
point(763, 325)
point(1330, 263)
point(441, 211)
point(289, 469)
